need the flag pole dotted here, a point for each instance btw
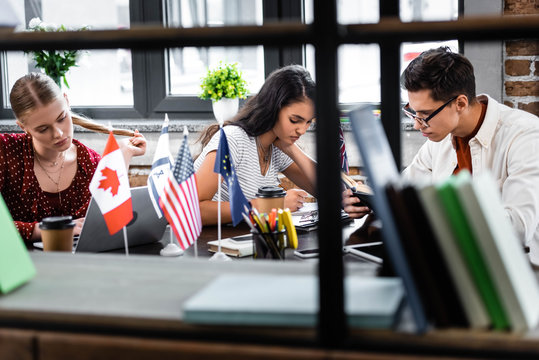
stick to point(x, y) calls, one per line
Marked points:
point(171, 249)
point(219, 255)
point(125, 242)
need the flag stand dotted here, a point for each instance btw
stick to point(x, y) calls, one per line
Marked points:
point(125, 242)
point(171, 249)
point(219, 255)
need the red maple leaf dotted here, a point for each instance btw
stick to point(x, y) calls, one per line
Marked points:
point(110, 181)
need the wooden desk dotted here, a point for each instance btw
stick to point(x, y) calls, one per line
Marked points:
point(109, 306)
point(306, 240)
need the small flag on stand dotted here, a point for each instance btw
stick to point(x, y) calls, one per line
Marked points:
point(180, 199)
point(110, 187)
point(225, 167)
point(342, 152)
point(161, 167)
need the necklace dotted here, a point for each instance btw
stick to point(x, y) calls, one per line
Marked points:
point(52, 163)
point(265, 154)
point(57, 182)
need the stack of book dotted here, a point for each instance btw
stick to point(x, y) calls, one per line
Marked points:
point(451, 244)
point(469, 267)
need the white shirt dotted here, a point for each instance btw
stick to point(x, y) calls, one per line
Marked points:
point(244, 155)
point(507, 145)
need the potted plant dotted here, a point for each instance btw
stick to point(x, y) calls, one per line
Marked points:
point(224, 86)
point(55, 63)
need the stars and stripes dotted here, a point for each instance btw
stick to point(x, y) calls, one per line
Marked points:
point(180, 199)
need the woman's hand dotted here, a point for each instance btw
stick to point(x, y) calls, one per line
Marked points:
point(136, 145)
point(287, 148)
point(78, 226)
point(294, 199)
point(348, 201)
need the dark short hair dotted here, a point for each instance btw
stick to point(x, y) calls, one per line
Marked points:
point(445, 73)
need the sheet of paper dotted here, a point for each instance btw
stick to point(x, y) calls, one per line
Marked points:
point(306, 216)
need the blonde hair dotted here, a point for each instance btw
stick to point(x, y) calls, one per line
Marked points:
point(36, 89)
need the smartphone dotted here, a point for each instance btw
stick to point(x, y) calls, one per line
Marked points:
point(366, 198)
point(307, 253)
point(372, 252)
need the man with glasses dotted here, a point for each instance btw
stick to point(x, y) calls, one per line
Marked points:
point(476, 133)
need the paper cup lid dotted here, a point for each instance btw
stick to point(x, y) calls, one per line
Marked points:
point(56, 223)
point(270, 192)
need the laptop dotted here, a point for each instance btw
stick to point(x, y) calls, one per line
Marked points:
point(145, 228)
point(381, 170)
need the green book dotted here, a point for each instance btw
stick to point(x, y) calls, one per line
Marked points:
point(472, 255)
point(16, 267)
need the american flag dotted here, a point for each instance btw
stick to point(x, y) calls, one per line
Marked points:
point(342, 151)
point(180, 200)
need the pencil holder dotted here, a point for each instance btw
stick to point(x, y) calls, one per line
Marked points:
point(269, 245)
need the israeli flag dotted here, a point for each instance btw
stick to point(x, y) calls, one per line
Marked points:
point(162, 164)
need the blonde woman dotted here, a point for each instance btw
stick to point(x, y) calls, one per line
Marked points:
point(44, 171)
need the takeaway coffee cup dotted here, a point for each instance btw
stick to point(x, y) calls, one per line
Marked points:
point(57, 233)
point(270, 197)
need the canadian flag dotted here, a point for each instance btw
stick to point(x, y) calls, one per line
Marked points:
point(110, 187)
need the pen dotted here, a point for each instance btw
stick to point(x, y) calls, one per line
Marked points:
point(257, 222)
point(246, 218)
point(280, 227)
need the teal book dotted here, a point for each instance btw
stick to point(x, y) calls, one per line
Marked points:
point(16, 267)
point(471, 252)
point(291, 300)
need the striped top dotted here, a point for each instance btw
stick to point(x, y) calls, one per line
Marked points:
point(245, 158)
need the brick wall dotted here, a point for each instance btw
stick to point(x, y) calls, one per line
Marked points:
point(521, 63)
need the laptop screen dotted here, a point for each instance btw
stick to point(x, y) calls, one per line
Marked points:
point(145, 227)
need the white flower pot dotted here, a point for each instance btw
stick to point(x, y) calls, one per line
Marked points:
point(225, 109)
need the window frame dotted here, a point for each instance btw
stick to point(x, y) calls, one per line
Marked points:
point(150, 98)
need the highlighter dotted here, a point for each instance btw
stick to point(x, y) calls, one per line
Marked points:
point(290, 229)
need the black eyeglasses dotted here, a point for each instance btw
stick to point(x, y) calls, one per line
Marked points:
point(424, 121)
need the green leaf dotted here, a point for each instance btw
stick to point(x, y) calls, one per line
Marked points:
point(225, 81)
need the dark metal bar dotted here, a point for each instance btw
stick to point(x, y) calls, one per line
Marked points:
point(392, 29)
point(390, 95)
point(483, 28)
point(157, 37)
point(389, 83)
point(332, 328)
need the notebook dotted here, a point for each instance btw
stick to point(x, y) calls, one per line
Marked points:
point(381, 170)
point(306, 218)
point(145, 227)
point(291, 300)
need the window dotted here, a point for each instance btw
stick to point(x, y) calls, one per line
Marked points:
point(146, 84)
point(97, 69)
point(187, 65)
point(359, 65)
